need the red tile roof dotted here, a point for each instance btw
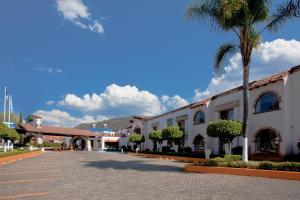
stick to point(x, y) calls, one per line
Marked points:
point(58, 131)
point(270, 79)
point(200, 103)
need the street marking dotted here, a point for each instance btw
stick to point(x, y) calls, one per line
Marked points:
point(24, 195)
point(34, 172)
point(28, 180)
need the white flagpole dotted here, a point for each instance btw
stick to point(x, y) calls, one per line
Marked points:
point(9, 102)
point(4, 110)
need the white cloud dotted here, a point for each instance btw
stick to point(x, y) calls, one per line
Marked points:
point(173, 102)
point(49, 70)
point(267, 59)
point(96, 27)
point(64, 119)
point(49, 103)
point(78, 13)
point(123, 100)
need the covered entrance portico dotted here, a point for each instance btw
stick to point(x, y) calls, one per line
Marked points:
point(104, 142)
point(72, 138)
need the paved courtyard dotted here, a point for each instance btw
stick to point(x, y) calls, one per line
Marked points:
point(93, 175)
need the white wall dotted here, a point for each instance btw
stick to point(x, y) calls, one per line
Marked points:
point(285, 121)
point(295, 110)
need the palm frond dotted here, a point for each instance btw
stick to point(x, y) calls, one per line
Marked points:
point(259, 9)
point(285, 11)
point(254, 37)
point(201, 11)
point(224, 51)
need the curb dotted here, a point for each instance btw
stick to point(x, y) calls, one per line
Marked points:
point(22, 156)
point(289, 175)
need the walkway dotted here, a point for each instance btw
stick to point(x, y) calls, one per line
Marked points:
point(93, 175)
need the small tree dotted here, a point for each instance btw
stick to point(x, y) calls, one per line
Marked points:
point(8, 133)
point(3, 131)
point(226, 130)
point(155, 136)
point(172, 134)
point(136, 139)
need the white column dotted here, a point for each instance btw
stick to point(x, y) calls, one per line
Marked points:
point(88, 144)
point(102, 144)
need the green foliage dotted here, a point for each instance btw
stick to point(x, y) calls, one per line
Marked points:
point(236, 164)
point(50, 144)
point(224, 51)
point(20, 118)
point(230, 158)
point(180, 154)
point(29, 119)
point(265, 165)
point(172, 133)
point(136, 138)
point(8, 133)
point(155, 136)
point(226, 130)
point(211, 162)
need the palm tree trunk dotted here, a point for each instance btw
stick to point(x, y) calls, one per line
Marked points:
point(246, 61)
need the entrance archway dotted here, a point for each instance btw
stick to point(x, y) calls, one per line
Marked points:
point(199, 143)
point(79, 143)
point(267, 141)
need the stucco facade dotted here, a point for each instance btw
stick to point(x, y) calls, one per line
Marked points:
point(282, 122)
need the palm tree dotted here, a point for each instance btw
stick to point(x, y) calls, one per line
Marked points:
point(243, 18)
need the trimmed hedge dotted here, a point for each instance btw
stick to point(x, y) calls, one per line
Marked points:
point(180, 154)
point(266, 165)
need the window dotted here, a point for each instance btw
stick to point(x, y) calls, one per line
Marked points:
point(227, 114)
point(199, 118)
point(267, 141)
point(181, 124)
point(137, 130)
point(267, 102)
point(199, 144)
point(169, 122)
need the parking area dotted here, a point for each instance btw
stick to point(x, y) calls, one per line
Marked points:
point(95, 175)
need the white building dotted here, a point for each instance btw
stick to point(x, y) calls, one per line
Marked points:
point(273, 125)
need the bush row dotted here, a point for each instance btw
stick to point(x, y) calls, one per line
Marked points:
point(266, 165)
point(181, 154)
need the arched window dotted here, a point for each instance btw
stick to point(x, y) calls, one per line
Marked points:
point(199, 118)
point(267, 102)
point(199, 143)
point(267, 141)
point(137, 130)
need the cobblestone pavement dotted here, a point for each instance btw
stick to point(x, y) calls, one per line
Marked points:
point(94, 175)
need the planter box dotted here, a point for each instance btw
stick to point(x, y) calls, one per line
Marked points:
point(177, 158)
point(243, 172)
point(22, 156)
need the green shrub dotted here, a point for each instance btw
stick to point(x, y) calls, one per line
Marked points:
point(232, 158)
point(226, 130)
point(266, 165)
point(172, 133)
point(236, 164)
point(219, 159)
point(288, 166)
point(211, 162)
point(50, 144)
point(136, 138)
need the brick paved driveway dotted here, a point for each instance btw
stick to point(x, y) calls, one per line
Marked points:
point(93, 175)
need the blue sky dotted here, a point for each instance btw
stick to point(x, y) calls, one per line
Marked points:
point(136, 57)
